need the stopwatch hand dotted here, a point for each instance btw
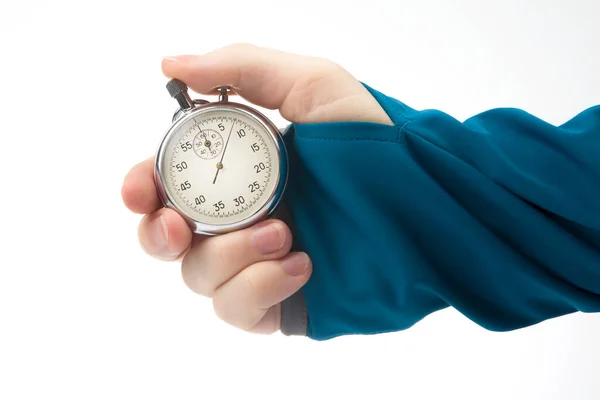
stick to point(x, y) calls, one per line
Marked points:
point(220, 163)
point(207, 141)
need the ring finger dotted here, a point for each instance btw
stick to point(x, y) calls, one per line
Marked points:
point(214, 260)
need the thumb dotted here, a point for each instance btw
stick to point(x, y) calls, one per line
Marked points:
point(304, 89)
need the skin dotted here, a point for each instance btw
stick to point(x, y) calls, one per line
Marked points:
point(247, 273)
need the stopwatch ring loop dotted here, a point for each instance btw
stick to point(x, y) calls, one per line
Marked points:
point(223, 93)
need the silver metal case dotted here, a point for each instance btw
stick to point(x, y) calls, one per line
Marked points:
point(200, 107)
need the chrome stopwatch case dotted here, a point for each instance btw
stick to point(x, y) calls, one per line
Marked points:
point(221, 165)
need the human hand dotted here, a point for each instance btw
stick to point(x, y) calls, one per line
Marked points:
point(247, 273)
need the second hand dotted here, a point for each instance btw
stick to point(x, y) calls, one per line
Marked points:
point(220, 163)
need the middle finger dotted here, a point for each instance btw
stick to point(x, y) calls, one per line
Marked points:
point(214, 260)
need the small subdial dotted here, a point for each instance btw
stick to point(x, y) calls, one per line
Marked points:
point(208, 144)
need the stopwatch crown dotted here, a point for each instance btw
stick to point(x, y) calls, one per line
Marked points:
point(176, 87)
point(179, 91)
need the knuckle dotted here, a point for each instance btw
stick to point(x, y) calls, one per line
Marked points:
point(234, 311)
point(269, 323)
point(271, 326)
point(222, 252)
point(221, 309)
point(240, 47)
point(251, 282)
point(228, 250)
point(218, 308)
point(326, 66)
point(307, 91)
point(259, 284)
point(193, 273)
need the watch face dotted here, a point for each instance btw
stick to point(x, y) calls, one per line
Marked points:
point(221, 165)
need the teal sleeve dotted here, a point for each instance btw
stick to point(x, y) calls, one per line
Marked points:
point(497, 216)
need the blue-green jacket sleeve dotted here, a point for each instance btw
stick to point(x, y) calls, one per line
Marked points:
point(497, 216)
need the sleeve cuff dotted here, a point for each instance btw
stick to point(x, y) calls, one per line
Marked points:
point(294, 318)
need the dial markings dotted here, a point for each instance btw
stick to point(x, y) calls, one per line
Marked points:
point(240, 187)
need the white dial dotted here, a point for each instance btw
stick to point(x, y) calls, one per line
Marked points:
point(221, 166)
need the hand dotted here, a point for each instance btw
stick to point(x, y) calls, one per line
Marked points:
point(247, 273)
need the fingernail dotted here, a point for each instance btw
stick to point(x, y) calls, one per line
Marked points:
point(268, 239)
point(159, 233)
point(182, 58)
point(172, 59)
point(295, 264)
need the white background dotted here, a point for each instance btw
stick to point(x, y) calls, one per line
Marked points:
point(85, 314)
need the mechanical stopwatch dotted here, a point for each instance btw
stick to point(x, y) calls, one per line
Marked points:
point(221, 165)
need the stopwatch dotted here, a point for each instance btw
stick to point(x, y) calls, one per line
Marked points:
point(221, 165)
